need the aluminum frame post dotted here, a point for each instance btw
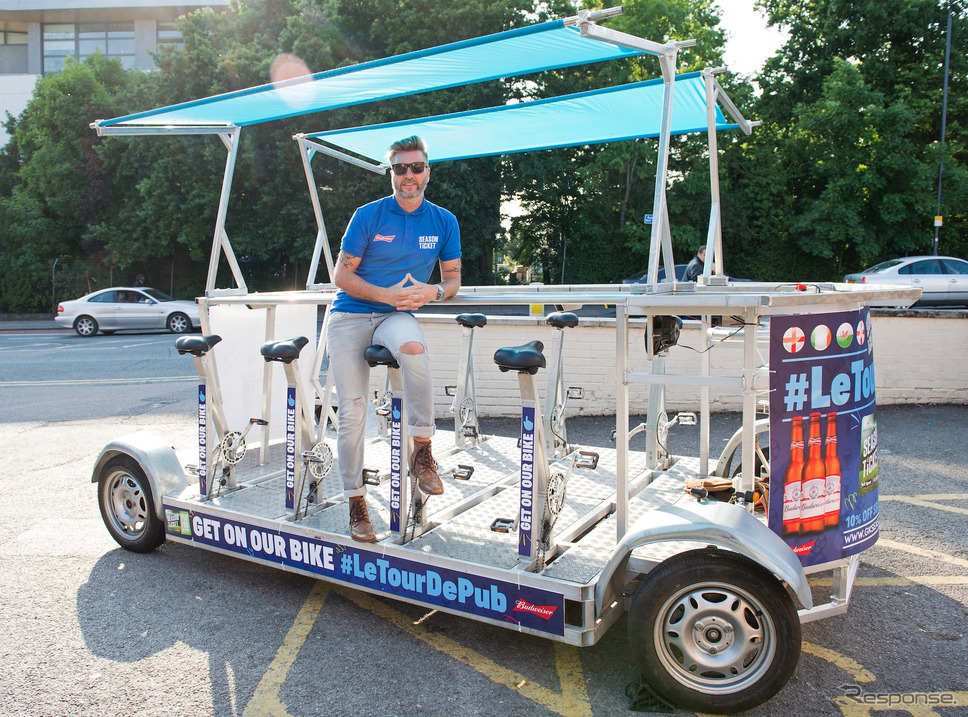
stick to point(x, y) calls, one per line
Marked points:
point(533, 495)
point(308, 150)
point(220, 242)
point(321, 246)
point(660, 228)
point(466, 389)
point(621, 420)
point(556, 446)
point(714, 237)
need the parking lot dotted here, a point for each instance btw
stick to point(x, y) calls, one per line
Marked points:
point(91, 629)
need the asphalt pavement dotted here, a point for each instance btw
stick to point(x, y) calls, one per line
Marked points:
point(90, 629)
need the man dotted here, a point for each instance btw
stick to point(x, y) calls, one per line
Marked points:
point(694, 267)
point(387, 255)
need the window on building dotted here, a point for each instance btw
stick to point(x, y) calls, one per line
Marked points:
point(168, 34)
point(10, 37)
point(78, 40)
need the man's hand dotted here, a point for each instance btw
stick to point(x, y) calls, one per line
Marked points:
point(412, 297)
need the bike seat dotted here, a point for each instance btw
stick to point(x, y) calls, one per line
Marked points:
point(527, 357)
point(562, 320)
point(472, 321)
point(196, 345)
point(377, 355)
point(285, 351)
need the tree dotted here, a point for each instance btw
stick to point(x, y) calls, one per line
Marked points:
point(56, 189)
point(843, 173)
point(584, 206)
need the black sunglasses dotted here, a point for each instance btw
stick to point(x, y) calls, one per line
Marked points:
point(415, 167)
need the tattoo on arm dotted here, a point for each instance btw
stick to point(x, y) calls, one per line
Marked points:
point(348, 261)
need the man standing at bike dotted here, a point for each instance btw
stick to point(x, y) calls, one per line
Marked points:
point(387, 255)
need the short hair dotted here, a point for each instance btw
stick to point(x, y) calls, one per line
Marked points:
point(409, 144)
point(701, 248)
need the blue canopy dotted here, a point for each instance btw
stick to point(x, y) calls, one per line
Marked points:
point(607, 115)
point(514, 52)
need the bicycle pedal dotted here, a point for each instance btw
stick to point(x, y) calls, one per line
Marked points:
point(371, 476)
point(463, 472)
point(503, 525)
point(587, 459)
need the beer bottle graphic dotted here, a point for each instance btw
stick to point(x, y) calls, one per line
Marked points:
point(814, 486)
point(792, 480)
point(831, 460)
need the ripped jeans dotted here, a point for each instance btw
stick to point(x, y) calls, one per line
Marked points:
point(348, 335)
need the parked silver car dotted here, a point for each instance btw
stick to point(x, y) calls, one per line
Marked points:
point(120, 308)
point(943, 280)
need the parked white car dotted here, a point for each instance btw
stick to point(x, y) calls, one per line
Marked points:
point(120, 308)
point(943, 280)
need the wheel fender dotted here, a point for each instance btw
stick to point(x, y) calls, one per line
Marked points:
point(157, 459)
point(712, 523)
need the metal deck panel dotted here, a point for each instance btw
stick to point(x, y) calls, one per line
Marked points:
point(589, 554)
point(471, 543)
point(254, 500)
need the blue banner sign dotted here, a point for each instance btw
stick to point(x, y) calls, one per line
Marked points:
point(508, 602)
point(291, 448)
point(202, 441)
point(823, 434)
point(396, 460)
point(526, 514)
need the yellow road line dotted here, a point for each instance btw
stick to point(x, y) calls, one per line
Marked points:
point(914, 550)
point(914, 500)
point(572, 702)
point(928, 580)
point(572, 680)
point(265, 700)
point(917, 704)
point(852, 667)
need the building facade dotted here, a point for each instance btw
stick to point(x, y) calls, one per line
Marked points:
point(37, 37)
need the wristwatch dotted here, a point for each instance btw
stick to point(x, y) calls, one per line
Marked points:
point(440, 292)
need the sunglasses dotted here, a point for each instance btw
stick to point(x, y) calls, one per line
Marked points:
point(415, 167)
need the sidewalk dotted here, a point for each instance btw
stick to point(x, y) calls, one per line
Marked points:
point(34, 322)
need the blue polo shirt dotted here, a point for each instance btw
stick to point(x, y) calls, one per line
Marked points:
point(392, 243)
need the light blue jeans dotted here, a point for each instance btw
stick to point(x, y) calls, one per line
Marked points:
point(347, 337)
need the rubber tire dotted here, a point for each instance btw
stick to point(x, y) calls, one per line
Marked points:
point(179, 323)
point(720, 572)
point(123, 485)
point(85, 326)
point(757, 462)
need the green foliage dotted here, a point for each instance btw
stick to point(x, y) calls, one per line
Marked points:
point(841, 174)
point(844, 172)
point(584, 207)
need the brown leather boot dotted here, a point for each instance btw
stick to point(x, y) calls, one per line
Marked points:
point(422, 463)
point(360, 528)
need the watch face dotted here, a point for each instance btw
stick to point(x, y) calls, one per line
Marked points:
point(440, 293)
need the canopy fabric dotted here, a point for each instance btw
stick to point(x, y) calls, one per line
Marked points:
point(615, 113)
point(514, 52)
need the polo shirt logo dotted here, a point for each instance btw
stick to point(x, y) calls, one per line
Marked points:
point(380, 237)
point(428, 242)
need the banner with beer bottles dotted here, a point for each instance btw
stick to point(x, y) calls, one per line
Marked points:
point(823, 434)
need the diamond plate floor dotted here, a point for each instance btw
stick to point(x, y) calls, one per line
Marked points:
point(462, 516)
